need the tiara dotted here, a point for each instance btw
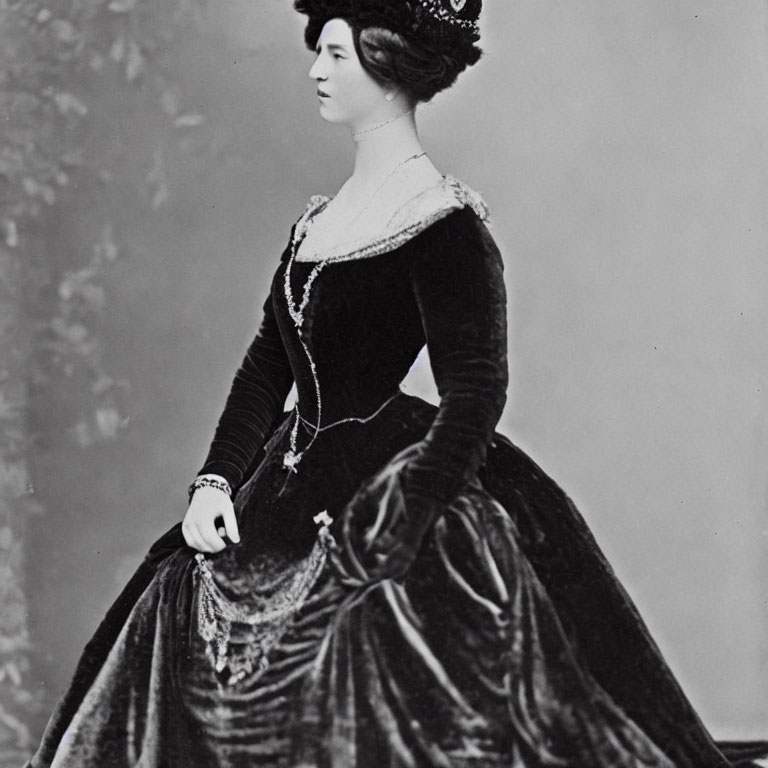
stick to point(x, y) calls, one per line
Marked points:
point(416, 16)
point(449, 10)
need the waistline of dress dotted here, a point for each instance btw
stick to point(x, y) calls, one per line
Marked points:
point(349, 419)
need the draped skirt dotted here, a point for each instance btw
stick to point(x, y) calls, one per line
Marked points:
point(509, 642)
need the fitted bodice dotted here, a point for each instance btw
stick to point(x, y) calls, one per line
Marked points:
point(347, 328)
point(361, 329)
point(351, 312)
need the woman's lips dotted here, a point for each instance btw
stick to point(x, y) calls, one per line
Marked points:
point(322, 94)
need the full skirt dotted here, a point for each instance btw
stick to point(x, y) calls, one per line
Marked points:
point(510, 642)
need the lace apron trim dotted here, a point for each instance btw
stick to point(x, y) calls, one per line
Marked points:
point(258, 628)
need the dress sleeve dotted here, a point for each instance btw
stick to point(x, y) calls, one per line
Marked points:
point(255, 400)
point(459, 288)
point(457, 281)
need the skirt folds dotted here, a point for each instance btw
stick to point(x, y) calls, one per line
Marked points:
point(509, 642)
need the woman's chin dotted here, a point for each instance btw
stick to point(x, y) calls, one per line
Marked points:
point(330, 116)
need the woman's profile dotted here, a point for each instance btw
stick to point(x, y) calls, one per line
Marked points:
point(368, 580)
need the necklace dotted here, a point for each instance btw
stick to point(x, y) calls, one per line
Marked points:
point(293, 456)
point(382, 185)
point(350, 222)
point(356, 134)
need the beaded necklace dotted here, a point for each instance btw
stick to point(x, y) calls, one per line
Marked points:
point(293, 456)
point(376, 127)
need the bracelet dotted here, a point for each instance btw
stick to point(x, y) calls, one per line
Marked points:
point(210, 482)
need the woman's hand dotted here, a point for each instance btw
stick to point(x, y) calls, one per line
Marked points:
point(200, 528)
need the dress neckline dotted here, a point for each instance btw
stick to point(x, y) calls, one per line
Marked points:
point(427, 206)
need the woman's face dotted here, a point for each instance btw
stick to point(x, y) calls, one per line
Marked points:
point(347, 93)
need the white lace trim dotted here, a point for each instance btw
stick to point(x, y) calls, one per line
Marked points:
point(217, 616)
point(420, 212)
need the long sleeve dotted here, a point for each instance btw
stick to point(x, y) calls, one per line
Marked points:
point(459, 287)
point(457, 281)
point(255, 400)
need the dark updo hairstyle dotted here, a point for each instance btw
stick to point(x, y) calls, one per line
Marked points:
point(402, 42)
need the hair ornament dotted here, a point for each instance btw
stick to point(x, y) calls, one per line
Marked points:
point(452, 12)
point(426, 18)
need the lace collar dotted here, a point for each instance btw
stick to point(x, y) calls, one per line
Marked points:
point(421, 211)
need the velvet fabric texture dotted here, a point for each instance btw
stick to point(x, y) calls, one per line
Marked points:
point(507, 642)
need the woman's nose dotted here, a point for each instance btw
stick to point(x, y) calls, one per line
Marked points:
point(316, 70)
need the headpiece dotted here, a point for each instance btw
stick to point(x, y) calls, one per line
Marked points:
point(462, 13)
point(429, 20)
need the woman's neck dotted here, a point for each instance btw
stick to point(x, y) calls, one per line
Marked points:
point(379, 150)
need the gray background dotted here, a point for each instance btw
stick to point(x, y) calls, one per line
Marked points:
point(621, 148)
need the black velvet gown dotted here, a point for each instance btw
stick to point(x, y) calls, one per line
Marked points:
point(508, 641)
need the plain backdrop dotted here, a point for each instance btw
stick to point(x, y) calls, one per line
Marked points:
point(621, 147)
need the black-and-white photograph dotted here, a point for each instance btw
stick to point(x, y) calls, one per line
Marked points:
point(383, 384)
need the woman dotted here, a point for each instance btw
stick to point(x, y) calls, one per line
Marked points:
point(370, 581)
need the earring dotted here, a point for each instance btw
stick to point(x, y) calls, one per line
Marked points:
point(390, 97)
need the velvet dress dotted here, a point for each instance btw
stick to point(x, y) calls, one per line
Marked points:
point(507, 642)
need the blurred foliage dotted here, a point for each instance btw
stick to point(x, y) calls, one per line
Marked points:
point(55, 59)
point(59, 65)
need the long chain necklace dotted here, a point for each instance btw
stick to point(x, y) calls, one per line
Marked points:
point(370, 198)
point(293, 456)
point(381, 186)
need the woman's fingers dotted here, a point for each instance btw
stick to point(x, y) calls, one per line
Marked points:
point(192, 537)
point(201, 540)
point(211, 539)
point(230, 522)
point(188, 535)
point(199, 527)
